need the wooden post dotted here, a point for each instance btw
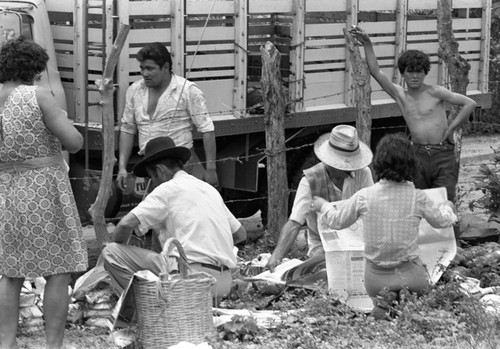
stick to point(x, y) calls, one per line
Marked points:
point(274, 106)
point(362, 89)
point(458, 67)
point(106, 89)
point(352, 19)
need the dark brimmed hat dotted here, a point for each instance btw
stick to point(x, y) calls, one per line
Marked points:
point(160, 148)
point(342, 149)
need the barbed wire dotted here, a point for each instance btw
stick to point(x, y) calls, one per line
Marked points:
point(249, 109)
point(263, 153)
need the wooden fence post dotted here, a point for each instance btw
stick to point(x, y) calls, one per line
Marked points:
point(274, 106)
point(458, 67)
point(362, 89)
point(106, 89)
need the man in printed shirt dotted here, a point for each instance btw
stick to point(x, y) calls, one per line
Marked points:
point(165, 104)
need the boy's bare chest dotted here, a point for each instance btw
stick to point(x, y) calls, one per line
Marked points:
point(423, 107)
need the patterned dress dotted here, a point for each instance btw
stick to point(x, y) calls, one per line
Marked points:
point(40, 230)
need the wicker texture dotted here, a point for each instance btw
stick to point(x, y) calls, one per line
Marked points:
point(179, 309)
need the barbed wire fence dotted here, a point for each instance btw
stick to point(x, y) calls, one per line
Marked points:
point(476, 122)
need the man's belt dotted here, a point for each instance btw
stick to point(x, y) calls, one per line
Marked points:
point(441, 146)
point(220, 268)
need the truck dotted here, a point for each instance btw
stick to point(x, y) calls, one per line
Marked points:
point(216, 44)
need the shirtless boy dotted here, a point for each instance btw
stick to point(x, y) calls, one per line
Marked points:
point(423, 108)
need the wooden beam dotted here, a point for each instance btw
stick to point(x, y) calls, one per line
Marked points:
point(123, 71)
point(352, 19)
point(177, 49)
point(362, 89)
point(484, 63)
point(80, 60)
point(240, 57)
point(274, 106)
point(297, 83)
point(401, 31)
point(106, 90)
point(458, 67)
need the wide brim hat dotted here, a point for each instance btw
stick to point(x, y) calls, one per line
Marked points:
point(342, 149)
point(160, 148)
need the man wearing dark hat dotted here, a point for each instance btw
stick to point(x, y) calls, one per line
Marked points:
point(343, 170)
point(180, 206)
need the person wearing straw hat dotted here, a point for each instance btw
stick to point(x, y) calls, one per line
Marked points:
point(180, 206)
point(165, 104)
point(343, 170)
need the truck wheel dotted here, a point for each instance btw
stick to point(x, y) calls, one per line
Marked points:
point(85, 189)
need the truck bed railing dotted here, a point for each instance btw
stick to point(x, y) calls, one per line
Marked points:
point(216, 44)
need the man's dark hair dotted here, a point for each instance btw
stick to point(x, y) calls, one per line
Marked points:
point(170, 163)
point(22, 59)
point(415, 60)
point(395, 158)
point(156, 52)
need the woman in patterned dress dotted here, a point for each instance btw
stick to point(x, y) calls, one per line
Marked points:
point(40, 231)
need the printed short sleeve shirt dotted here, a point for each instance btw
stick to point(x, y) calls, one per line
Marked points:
point(181, 106)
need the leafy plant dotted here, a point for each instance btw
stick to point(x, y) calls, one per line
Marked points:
point(489, 184)
point(243, 328)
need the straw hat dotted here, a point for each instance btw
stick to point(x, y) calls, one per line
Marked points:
point(160, 148)
point(342, 149)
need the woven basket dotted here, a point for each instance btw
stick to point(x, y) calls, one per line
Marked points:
point(175, 310)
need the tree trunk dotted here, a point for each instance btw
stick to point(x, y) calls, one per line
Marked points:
point(362, 89)
point(458, 67)
point(106, 89)
point(274, 106)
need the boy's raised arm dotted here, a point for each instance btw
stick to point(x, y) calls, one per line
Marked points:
point(363, 38)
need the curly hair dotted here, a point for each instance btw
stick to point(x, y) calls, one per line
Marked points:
point(156, 52)
point(415, 60)
point(395, 158)
point(22, 59)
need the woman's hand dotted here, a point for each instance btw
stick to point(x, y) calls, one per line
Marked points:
point(317, 202)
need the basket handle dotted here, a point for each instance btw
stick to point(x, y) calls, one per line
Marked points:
point(181, 261)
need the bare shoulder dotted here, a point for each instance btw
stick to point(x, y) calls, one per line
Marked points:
point(438, 91)
point(443, 94)
point(43, 95)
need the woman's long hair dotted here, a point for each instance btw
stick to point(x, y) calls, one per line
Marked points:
point(395, 158)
